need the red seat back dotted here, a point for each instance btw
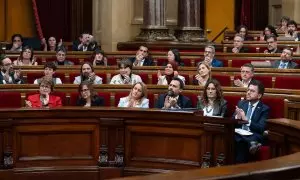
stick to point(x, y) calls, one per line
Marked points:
point(286, 82)
point(266, 80)
point(193, 97)
point(119, 95)
point(10, 100)
point(31, 76)
point(232, 101)
point(224, 79)
point(276, 106)
point(72, 76)
point(240, 62)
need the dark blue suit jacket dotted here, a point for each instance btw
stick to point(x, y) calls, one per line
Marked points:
point(148, 61)
point(216, 63)
point(259, 117)
point(183, 102)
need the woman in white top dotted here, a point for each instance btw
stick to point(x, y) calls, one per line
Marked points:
point(204, 74)
point(170, 73)
point(137, 97)
point(49, 71)
point(212, 102)
point(26, 58)
point(125, 76)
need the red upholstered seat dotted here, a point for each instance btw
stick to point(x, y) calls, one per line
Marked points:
point(187, 78)
point(154, 78)
point(111, 61)
point(31, 76)
point(266, 80)
point(72, 76)
point(161, 61)
point(240, 62)
point(144, 77)
point(224, 79)
point(187, 62)
point(276, 105)
point(232, 101)
point(193, 97)
point(287, 82)
point(10, 100)
point(75, 60)
point(119, 95)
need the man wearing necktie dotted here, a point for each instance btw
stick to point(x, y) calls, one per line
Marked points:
point(286, 60)
point(254, 113)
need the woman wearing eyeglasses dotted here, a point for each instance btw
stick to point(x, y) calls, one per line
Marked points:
point(44, 98)
point(88, 96)
point(170, 73)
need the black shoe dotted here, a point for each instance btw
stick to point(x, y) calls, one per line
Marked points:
point(254, 147)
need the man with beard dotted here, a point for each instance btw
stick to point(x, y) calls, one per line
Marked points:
point(8, 75)
point(209, 54)
point(271, 45)
point(173, 98)
point(286, 60)
point(88, 74)
point(292, 30)
point(254, 113)
point(247, 73)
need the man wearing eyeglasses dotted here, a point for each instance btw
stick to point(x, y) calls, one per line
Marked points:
point(209, 54)
point(247, 73)
point(271, 45)
point(286, 60)
point(142, 57)
point(8, 75)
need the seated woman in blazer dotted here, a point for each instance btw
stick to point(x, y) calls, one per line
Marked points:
point(88, 96)
point(44, 98)
point(212, 102)
point(137, 97)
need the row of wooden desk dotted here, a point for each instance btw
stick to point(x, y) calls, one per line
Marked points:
point(100, 143)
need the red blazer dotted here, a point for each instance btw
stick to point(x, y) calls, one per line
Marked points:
point(54, 101)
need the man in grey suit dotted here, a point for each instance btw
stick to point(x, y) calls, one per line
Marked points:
point(286, 60)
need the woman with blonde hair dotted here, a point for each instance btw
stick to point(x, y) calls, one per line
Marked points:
point(204, 74)
point(137, 97)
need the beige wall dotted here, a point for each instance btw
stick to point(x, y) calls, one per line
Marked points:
point(120, 20)
point(291, 8)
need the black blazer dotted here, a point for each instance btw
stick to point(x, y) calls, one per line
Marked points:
point(183, 102)
point(291, 64)
point(148, 61)
point(219, 109)
point(91, 47)
point(14, 81)
point(98, 101)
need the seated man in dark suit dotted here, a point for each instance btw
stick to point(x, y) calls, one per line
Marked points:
point(142, 57)
point(238, 42)
point(209, 54)
point(8, 75)
point(272, 45)
point(173, 99)
point(86, 42)
point(255, 113)
point(286, 60)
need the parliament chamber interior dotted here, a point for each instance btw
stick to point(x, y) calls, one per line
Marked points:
point(152, 89)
